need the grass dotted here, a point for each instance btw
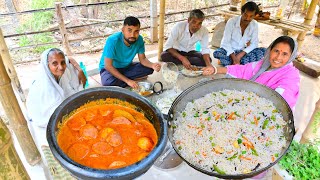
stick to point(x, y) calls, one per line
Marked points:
point(38, 21)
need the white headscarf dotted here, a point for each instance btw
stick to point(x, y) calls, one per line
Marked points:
point(45, 94)
point(266, 63)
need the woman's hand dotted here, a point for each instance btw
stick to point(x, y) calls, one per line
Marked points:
point(82, 78)
point(156, 66)
point(208, 70)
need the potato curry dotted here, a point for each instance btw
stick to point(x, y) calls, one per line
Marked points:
point(107, 136)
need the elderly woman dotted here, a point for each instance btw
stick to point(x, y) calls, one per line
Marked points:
point(56, 80)
point(275, 70)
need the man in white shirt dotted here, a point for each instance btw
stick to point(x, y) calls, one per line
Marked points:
point(239, 44)
point(180, 46)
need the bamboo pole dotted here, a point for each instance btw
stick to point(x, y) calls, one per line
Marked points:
point(303, 6)
point(312, 130)
point(316, 31)
point(307, 21)
point(242, 3)
point(7, 61)
point(63, 30)
point(154, 21)
point(161, 27)
point(11, 166)
point(16, 118)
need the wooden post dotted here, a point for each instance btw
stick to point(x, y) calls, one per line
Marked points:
point(312, 130)
point(16, 119)
point(7, 61)
point(11, 166)
point(84, 10)
point(12, 8)
point(294, 2)
point(63, 31)
point(154, 21)
point(307, 21)
point(161, 27)
point(93, 11)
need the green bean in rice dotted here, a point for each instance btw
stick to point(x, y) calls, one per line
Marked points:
point(230, 131)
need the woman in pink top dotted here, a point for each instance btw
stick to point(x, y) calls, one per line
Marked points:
point(275, 70)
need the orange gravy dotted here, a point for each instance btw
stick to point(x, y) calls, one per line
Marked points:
point(107, 136)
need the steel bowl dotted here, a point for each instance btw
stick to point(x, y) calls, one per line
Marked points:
point(75, 101)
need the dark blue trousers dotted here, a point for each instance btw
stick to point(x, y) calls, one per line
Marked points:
point(135, 70)
point(255, 55)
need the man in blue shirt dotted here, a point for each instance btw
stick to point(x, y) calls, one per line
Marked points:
point(116, 67)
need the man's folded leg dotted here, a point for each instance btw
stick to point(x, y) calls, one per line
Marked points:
point(107, 79)
point(167, 57)
point(255, 55)
point(137, 70)
point(221, 54)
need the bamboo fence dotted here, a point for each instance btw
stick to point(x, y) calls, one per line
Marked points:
point(11, 166)
point(17, 121)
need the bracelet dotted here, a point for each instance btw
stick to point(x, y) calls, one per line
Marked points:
point(215, 70)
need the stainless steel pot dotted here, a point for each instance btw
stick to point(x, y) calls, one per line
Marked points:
point(199, 90)
point(82, 97)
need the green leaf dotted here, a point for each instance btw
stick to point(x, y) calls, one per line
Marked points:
point(219, 171)
point(265, 123)
point(302, 161)
point(233, 157)
point(254, 152)
point(237, 114)
point(223, 94)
